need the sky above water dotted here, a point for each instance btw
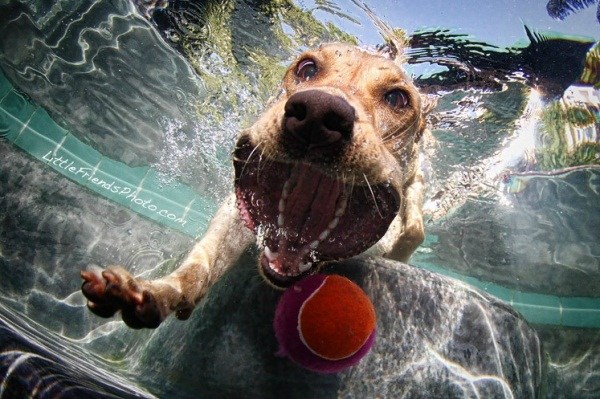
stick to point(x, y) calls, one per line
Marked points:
point(498, 22)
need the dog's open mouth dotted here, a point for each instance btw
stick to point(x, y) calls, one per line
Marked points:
point(302, 216)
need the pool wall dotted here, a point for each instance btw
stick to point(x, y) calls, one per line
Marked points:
point(177, 206)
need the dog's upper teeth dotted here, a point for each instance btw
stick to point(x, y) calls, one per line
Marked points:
point(286, 190)
point(281, 206)
point(324, 234)
point(332, 225)
point(341, 207)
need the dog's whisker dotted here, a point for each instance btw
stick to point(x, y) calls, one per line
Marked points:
point(351, 186)
point(261, 160)
point(392, 135)
point(258, 145)
point(399, 147)
point(373, 195)
point(249, 158)
point(266, 160)
point(341, 176)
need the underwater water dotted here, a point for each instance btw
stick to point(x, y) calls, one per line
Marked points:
point(117, 121)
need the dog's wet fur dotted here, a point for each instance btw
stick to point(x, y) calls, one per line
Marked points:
point(330, 170)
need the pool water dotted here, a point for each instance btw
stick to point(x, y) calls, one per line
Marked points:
point(116, 126)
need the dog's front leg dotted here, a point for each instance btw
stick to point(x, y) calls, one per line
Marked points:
point(146, 303)
point(412, 231)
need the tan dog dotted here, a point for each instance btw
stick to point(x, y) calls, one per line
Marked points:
point(328, 171)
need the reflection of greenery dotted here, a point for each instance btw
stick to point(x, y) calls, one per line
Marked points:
point(269, 70)
point(308, 31)
point(242, 74)
point(507, 105)
point(591, 67)
point(579, 117)
point(555, 152)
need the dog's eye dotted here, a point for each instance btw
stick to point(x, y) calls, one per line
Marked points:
point(396, 99)
point(306, 69)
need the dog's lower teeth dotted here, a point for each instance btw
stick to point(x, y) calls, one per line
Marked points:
point(305, 266)
point(271, 256)
point(274, 267)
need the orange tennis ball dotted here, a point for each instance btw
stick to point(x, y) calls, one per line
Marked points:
point(325, 323)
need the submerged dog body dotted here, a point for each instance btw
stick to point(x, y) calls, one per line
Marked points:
point(328, 171)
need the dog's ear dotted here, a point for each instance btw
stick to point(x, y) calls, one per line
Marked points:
point(396, 41)
point(428, 103)
point(392, 51)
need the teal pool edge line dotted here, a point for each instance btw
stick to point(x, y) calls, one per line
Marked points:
point(543, 309)
point(139, 189)
point(177, 206)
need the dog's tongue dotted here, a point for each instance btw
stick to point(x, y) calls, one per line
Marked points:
point(308, 205)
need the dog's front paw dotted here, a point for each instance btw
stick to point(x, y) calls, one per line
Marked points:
point(114, 289)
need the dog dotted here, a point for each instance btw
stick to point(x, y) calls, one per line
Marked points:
point(329, 171)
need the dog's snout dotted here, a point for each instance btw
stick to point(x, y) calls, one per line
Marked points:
point(318, 121)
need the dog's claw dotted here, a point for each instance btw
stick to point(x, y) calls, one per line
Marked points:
point(184, 313)
point(105, 311)
point(113, 290)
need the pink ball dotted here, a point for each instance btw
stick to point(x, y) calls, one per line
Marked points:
point(325, 323)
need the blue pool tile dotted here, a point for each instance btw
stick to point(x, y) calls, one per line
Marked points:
point(172, 190)
point(15, 112)
point(538, 308)
point(73, 148)
point(580, 312)
point(158, 208)
point(18, 106)
point(498, 291)
point(200, 212)
point(9, 129)
point(118, 170)
point(41, 136)
point(43, 125)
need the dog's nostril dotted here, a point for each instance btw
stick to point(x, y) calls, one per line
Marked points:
point(295, 110)
point(337, 121)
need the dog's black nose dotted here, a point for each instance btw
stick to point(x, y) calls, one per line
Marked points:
point(318, 121)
